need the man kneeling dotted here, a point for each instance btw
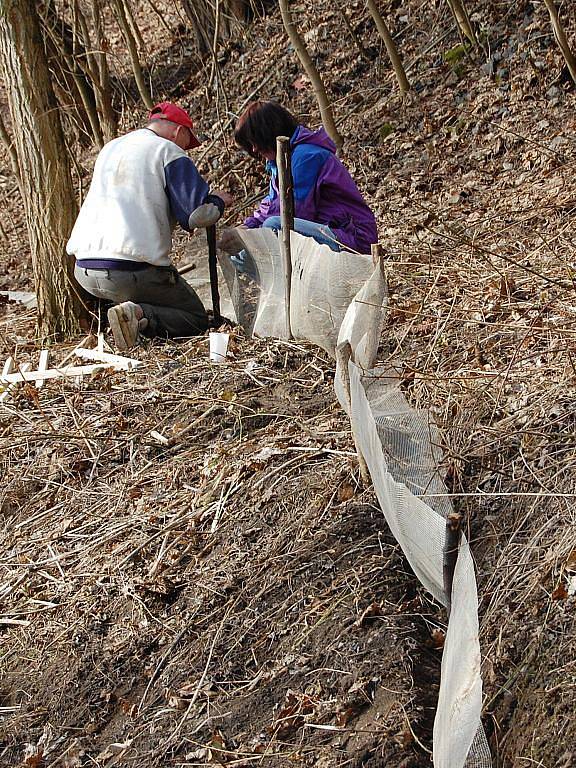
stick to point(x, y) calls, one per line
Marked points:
point(143, 184)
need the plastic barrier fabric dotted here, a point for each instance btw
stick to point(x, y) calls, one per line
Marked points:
point(338, 301)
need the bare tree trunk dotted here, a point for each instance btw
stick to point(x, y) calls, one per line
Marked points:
point(560, 36)
point(203, 19)
point(101, 79)
point(80, 68)
point(215, 68)
point(462, 19)
point(312, 72)
point(71, 85)
point(143, 89)
point(11, 149)
point(48, 196)
point(395, 59)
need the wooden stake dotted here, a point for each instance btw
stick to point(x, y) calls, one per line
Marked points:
point(42, 366)
point(286, 192)
point(343, 355)
point(377, 252)
point(450, 554)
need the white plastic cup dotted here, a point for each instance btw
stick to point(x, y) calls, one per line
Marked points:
point(218, 346)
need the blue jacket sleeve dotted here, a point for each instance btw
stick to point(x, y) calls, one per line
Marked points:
point(307, 162)
point(186, 189)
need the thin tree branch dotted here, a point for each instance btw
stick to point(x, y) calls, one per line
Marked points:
point(395, 59)
point(312, 72)
point(133, 51)
point(561, 39)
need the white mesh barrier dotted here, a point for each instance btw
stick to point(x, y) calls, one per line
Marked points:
point(362, 324)
point(393, 452)
point(323, 285)
point(460, 697)
point(267, 292)
point(338, 301)
point(411, 441)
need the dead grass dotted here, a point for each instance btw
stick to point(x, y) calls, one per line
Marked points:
point(202, 600)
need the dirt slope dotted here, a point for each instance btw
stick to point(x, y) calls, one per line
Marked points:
point(234, 596)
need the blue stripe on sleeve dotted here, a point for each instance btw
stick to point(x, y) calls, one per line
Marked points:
point(185, 188)
point(307, 160)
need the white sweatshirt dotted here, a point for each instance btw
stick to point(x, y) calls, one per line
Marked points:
point(142, 185)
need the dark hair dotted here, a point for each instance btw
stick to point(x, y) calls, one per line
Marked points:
point(260, 125)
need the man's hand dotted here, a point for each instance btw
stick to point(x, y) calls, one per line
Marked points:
point(208, 213)
point(226, 198)
point(229, 240)
point(203, 216)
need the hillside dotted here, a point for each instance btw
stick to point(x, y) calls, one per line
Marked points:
point(233, 595)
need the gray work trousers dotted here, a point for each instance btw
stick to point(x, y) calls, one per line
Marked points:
point(170, 305)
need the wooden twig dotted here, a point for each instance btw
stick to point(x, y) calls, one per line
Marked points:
point(77, 67)
point(123, 21)
point(214, 50)
point(103, 88)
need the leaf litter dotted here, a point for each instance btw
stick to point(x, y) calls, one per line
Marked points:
point(228, 593)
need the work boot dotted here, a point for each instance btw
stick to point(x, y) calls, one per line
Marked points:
point(126, 320)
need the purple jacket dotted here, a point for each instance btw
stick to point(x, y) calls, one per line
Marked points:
point(324, 192)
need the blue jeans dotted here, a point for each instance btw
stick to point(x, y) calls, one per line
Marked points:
point(320, 232)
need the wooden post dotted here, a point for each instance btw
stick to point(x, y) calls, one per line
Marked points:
point(377, 252)
point(450, 555)
point(286, 192)
point(343, 355)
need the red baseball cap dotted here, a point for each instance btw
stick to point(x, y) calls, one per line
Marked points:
point(165, 110)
